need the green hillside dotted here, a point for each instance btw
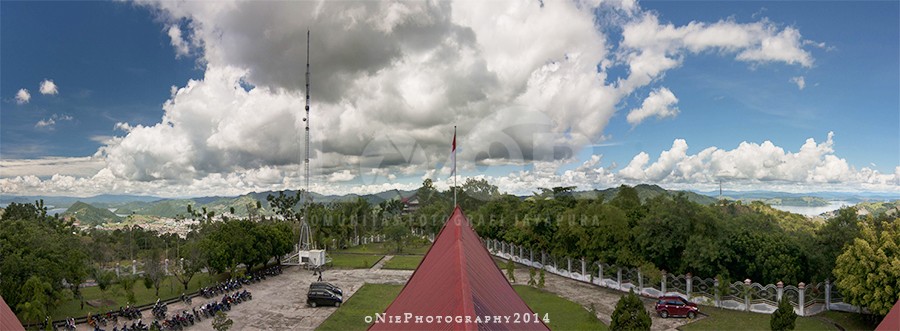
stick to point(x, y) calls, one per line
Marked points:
point(787, 220)
point(880, 207)
point(90, 215)
point(646, 192)
point(240, 205)
point(793, 201)
point(161, 208)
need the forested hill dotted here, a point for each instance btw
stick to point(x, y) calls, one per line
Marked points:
point(645, 192)
point(239, 204)
point(90, 215)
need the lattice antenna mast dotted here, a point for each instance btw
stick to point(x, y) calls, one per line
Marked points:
point(304, 226)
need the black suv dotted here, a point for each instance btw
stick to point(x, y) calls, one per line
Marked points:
point(326, 286)
point(322, 297)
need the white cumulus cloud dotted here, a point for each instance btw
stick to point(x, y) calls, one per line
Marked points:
point(762, 164)
point(660, 103)
point(650, 48)
point(22, 96)
point(50, 123)
point(48, 87)
point(524, 82)
point(800, 81)
point(181, 46)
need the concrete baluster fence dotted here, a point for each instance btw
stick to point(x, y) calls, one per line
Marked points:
point(747, 296)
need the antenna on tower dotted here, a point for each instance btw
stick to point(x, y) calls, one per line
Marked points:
point(304, 225)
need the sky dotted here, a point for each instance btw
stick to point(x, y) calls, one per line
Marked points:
point(180, 99)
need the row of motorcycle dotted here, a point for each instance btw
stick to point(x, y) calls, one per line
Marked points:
point(178, 321)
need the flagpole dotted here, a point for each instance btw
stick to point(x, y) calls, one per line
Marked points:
point(455, 172)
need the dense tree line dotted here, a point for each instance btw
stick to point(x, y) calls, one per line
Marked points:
point(43, 258)
point(38, 255)
point(225, 245)
point(728, 239)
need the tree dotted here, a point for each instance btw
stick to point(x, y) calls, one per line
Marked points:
point(104, 279)
point(33, 244)
point(630, 314)
point(282, 240)
point(76, 265)
point(37, 293)
point(531, 281)
point(215, 247)
point(284, 204)
point(153, 271)
point(221, 322)
point(127, 283)
point(475, 192)
point(783, 318)
point(541, 279)
point(427, 192)
point(628, 200)
point(868, 271)
point(511, 270)
point(191, 261)
point(397, 234)
point(838, 232)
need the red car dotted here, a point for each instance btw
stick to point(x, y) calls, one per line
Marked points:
point(676, 306)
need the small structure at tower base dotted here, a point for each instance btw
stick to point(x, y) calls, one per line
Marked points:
point(310, 259)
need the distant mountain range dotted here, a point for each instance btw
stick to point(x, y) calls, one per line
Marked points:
point(803, 199)
point(645, 192)
point(63, 201)
point(104, 208)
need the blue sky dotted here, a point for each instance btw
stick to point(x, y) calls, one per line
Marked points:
point(180, 100)
point(111, 61)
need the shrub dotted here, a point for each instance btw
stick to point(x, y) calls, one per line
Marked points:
point(783, 318)
point(541, 279)
point(630, 314)
point(221, 322)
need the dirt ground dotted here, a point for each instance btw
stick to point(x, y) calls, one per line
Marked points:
point(279, 303)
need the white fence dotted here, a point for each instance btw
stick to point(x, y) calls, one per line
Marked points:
point(747, 296)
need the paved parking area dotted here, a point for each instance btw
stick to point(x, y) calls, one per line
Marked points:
point(279, 303)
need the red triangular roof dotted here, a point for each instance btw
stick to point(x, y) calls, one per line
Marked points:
point(892, 320)
point(457, 277)
point(8, 320)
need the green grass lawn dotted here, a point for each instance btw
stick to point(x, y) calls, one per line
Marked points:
point(370, 299)
point(725, 319)
point(849, 321)
point(386, 248)
point(404, 262)
point(374, 298)
point(353, 261)
point(170, 288)
point(563, 314)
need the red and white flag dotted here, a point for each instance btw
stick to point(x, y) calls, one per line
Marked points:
point(453, 153)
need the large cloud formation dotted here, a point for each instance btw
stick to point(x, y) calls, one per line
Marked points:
point(527, 81)
point(814, 164)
